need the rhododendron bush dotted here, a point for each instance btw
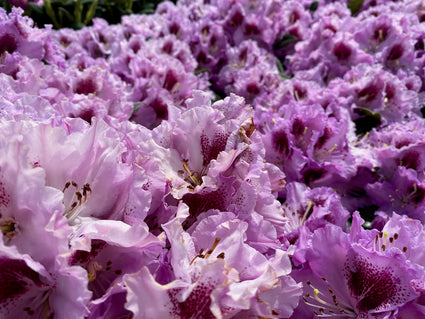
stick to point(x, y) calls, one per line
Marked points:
point(215, 159)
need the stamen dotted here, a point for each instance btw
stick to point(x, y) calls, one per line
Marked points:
point(307, 212)
point(77, 199)
point(86, 191)
point(333, 148)
point(384, 241)
point(208, 252)
point(92, 268)
point(316, 296)
point(197, 255)
point(380, 35)
point(66, 186)
point(175, 87)
point(191, 175)
point(333, 307)
point(211, 250)
point(384, 244)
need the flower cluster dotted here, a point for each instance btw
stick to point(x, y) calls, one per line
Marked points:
point(216, 159)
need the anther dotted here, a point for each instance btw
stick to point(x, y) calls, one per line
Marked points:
point(66, 186)
point(86, 191)
point(191, 175)
point(197, 255)
point(307, 212)
point(79, 197)
point(210, 251)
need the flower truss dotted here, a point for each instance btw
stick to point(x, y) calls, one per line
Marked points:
point(216, 159)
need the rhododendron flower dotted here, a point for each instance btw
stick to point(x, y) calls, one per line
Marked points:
point(81, 165)
point(362, 277)
point(216, 275)
point(108, 250)
point(132, 186)
point(30, 289)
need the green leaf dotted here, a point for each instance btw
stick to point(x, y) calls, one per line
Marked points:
point(199, 71)
point(148, 8)
point(354, 6)
point(281, 70)
point(66, 13)
point(287, 39)
point(77, 26)
point(78, 11)
point(51, 13)
point(36, 8)
point(313, 6)
point(369, 112)
point(368, 120)
point(218, 95)
point(129, 5)
point(136, 106)
point(91, 12)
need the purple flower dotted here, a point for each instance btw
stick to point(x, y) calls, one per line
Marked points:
point(18, 36)
point(29, 289)
point(108, 250)
point(216, 275)
point(310, 146)
point(361, 277)
point(32, 224)
point(82, 165)
point(313, 208)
